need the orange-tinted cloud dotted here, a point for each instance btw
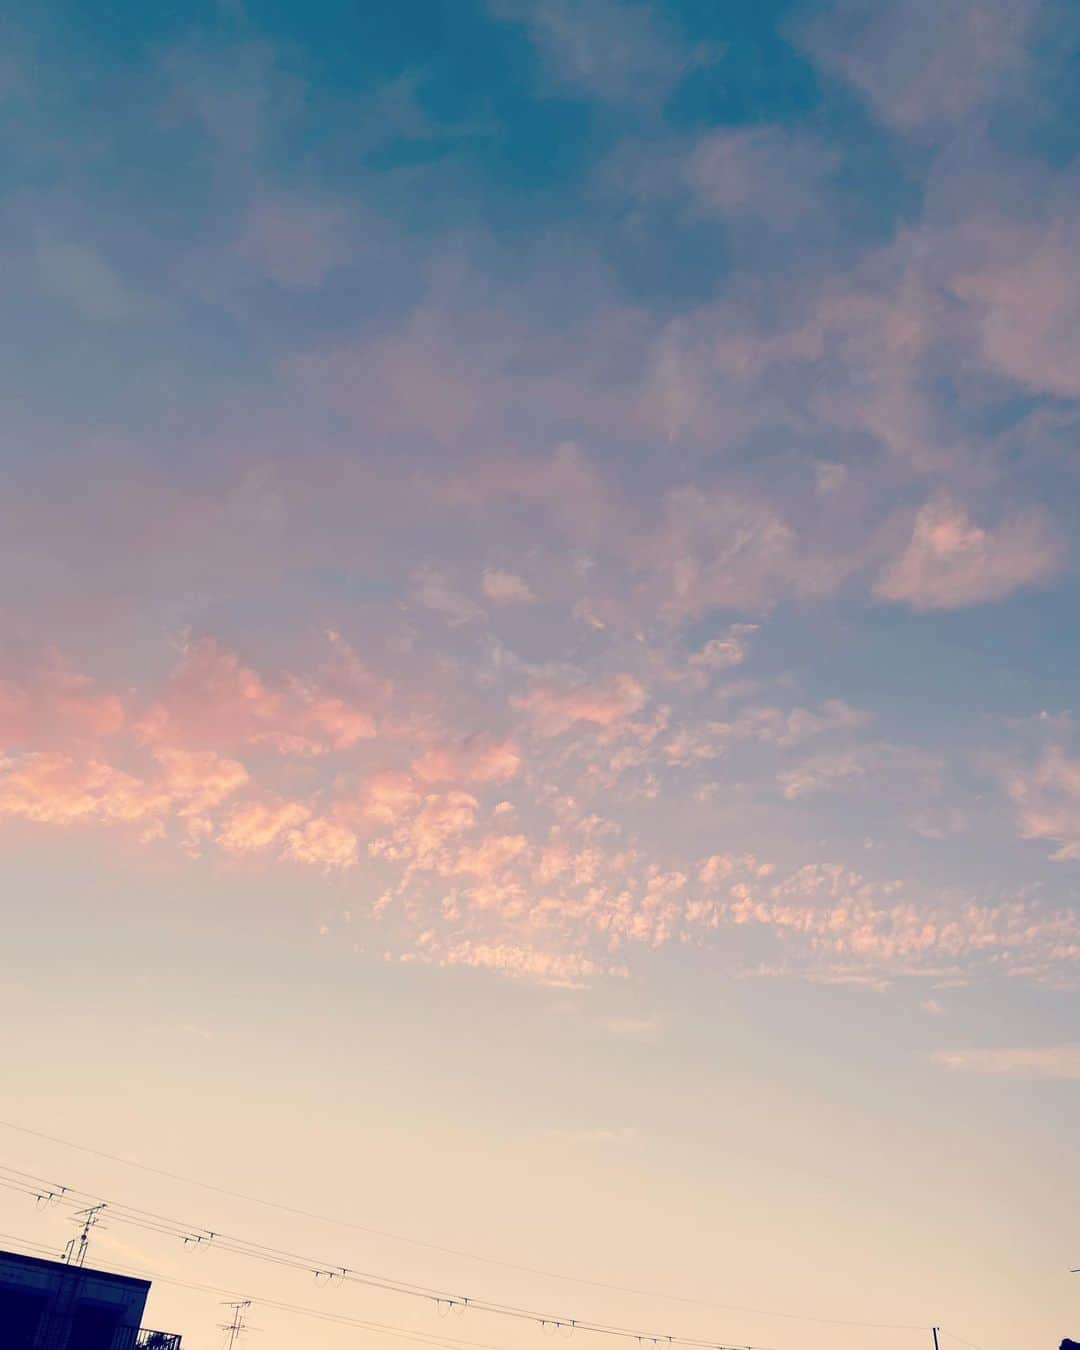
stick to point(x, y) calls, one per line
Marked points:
point(56, 706)
point(480, 759)
point(214, 699)
point(255, 826)
point(53, 788)
point(553, 709)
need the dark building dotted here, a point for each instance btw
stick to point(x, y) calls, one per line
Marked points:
point(46, 1305)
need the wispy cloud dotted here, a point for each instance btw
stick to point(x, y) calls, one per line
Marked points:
point(624, 51)
point(1047, 801)
point(920, 64)
point(1052, 1061)
point(506, 588)
point(950, 561)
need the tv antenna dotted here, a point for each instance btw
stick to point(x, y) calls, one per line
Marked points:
point(235, 1328)
point(75, 1251)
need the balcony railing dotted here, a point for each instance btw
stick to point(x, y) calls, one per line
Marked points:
point(130, 1339)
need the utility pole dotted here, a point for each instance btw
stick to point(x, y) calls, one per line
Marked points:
point(235, 1328)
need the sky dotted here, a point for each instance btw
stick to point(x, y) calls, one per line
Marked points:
point(538, 683)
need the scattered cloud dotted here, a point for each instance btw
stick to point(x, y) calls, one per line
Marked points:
point(1047, 802)
point(621, 51)
point(435, 592)
point(1053, 1061)
point(949, 561)
point(322, 843)
point(212, 698)
point(609, 703)
point(55, 705)
point(258, 825)
point(921, 64)
point(823, 773)
point(57, 789)
point(1021, 282)
point(506, 588)
point(77, 275)
point(479, 759)
point(670, 437)
point(721, 653)
point(772, 174)
point(293, 242)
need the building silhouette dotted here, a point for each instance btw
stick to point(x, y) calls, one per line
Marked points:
point(48, 1305)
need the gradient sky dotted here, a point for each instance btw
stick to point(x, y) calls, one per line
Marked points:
point(539, 656)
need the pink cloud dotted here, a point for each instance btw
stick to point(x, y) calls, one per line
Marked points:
point(823, 773)
point(387, 796)
point(844, 917)
point(213, 699)
point(735, 550)
point(1023, 283)
point(490, 856)
point(506, 588)
point(480, 759)
point(561, 970)
point(53, 788)
point(420, 837)
point(949, 561)
point(552, 888)
point(56, 706)
point(782, 728)
point(435, 592)
point(197, 780)
point(786, 728)
point(58, 789)
point(255, 826)
point(721, 653)
point(1047, 801)
point(553, 709)
point(321, 843)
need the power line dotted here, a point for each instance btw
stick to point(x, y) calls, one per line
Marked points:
point(193, 1233)
point(297, 1212)
point(954, 1337)
point(430, 1340)
point(411, 1334)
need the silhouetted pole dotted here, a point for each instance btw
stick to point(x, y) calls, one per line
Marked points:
point(935, 1331)
point(235, 1328)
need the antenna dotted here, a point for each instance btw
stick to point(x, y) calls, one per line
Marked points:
point(75, 1251)
point(235, 1328)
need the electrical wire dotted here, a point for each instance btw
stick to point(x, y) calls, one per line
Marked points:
point(954, 1337)
point(148, 1221)
point(378, 1328)
point(452, 1251)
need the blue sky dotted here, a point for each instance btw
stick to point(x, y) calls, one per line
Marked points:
point(539, 548)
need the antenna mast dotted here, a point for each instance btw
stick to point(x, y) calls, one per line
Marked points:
point(235, 1328)
point(75, 1251)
